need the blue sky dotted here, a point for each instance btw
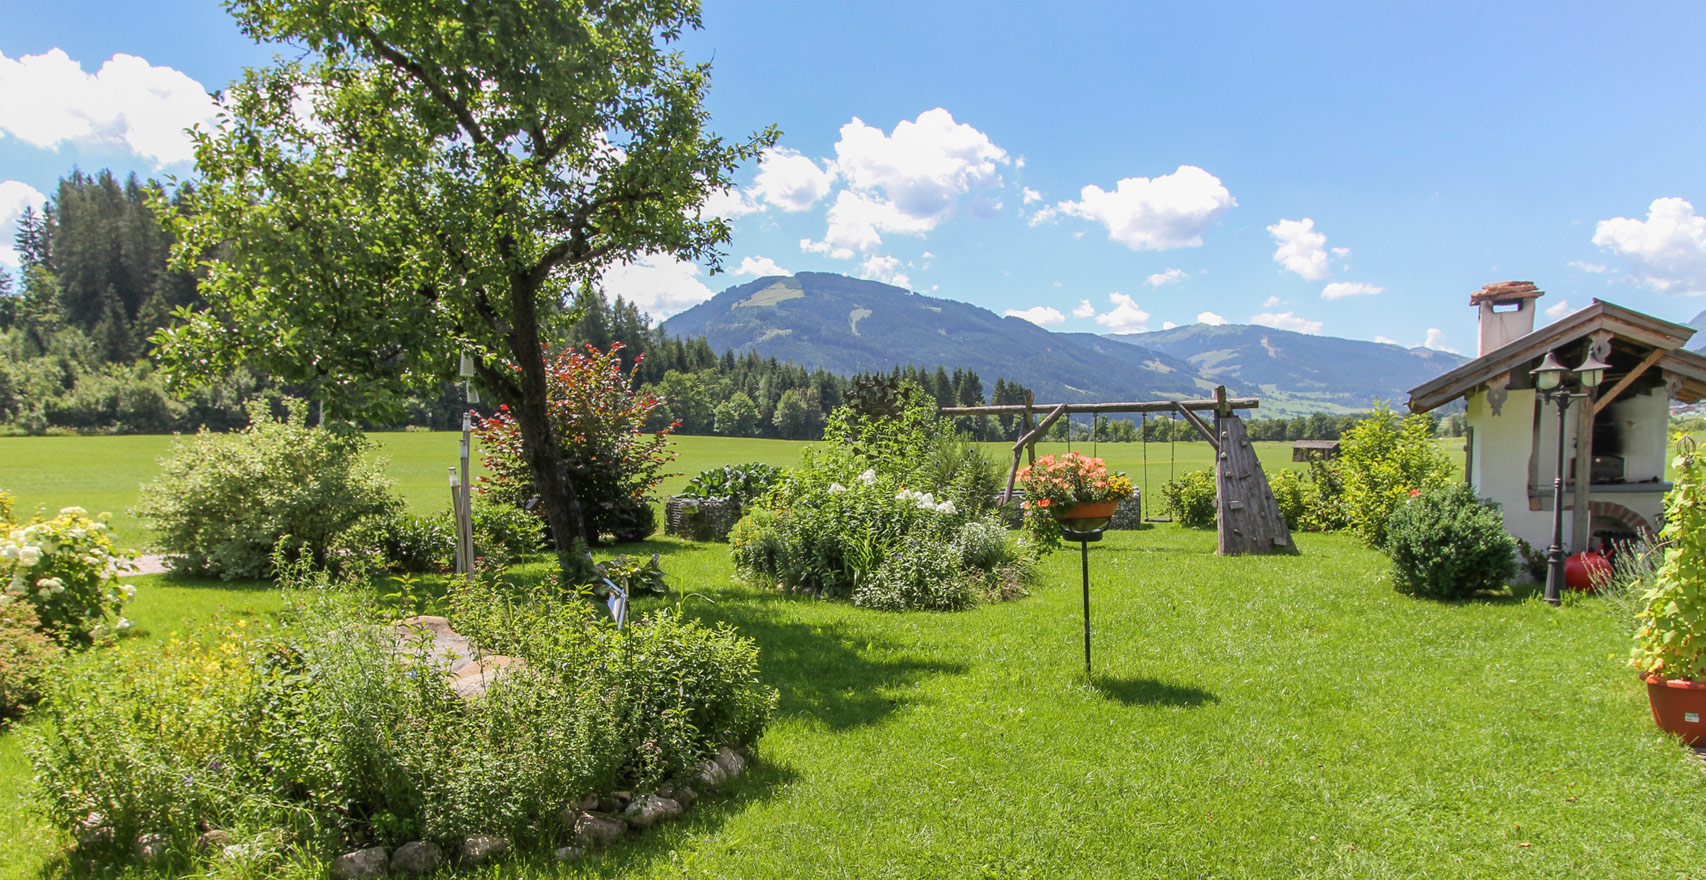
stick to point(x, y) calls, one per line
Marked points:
point(1348, 169)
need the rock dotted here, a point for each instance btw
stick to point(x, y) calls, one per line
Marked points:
point(481, 848)
point(472, 680)
point(731, 761)
point(681, 794)
point(416, 857)
point(650, 810)
point(363, 863)
point(590, 802)
point(151, 847)
point(711, 775)
point(93, 831)
point(594, 831)
point(569, 853)
point(213, 840)
point(610, 804)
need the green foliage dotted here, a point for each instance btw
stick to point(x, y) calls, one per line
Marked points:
point(223, 502)
point(503, 533)
point(1671, 639)
point(1446, 543)
point(28, 659)
point(737, 416)
point(743, 483)
point(66, 569)
point(919, 575)
point(6, 502)
point(636, 575)
point(1294, 495)
point(1326, 511)
point(1191, 499)
point(1382, 460)
point(319, 730)
point(417, 544)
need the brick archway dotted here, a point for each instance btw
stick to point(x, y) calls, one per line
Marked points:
point(1618, 513)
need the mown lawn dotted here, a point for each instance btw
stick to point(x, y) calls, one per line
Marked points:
point(1250, 717)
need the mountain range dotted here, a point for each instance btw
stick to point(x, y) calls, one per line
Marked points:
point(849, 325)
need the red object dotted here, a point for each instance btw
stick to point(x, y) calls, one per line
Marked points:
point(1087, 516)
point(1679, 707)
point(1581, 569)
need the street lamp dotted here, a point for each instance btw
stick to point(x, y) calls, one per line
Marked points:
point(1550, 378)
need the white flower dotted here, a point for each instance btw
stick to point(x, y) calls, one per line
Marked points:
point(125, 624)
point(869, 477)
point(73, 511)
point(836, 488)
point(10, 551)
point(946, 507)
point(128, 591)
point(28, 555)
point(43, 593)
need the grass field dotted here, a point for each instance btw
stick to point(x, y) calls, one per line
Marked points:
point(106, 473)
point(1250, 717)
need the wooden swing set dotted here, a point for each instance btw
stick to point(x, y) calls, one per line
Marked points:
point(1248, 517)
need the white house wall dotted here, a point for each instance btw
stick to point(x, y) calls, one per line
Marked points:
point(1499, 461)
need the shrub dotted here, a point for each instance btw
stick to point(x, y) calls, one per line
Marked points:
point(503, 532)
point(66, 570)
point(1382, 460)
point(599, 420)
point(223, 502)
point(1446, 543)
point(1191, 499)
point(921, 575)
point(1671, 639)
point(1294, 496)
point(417, 544)
point(743, 483)
point(321, 729)
point(28, 659)
point(6, 504)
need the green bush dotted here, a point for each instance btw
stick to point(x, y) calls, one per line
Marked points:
point(1446, 543)
point(503, 533)
point(320, 730)
point(1382, 459)
point(1191, 499)
point(417, 544)
point(223, 502)
point(921, 575)
point(743, 483)
point(1294, 495)
point(66, 569)
point(28, 659)
point(1671, 639)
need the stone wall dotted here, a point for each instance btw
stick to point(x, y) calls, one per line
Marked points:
point(701, 519)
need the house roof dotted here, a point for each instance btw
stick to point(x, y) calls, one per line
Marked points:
point(1315, 444)
point(1506, 292)
point(1623, 323)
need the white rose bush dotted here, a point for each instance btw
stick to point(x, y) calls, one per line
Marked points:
point(66, 568)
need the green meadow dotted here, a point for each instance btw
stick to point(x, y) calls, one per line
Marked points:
point(1248, 717)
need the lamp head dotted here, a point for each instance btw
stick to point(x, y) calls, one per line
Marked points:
point(1592, 371)
point(1550, 373)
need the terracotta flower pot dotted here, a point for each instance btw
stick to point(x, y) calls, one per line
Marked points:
point(1087, 516)
point(1679, 707)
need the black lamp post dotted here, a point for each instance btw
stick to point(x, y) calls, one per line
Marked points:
point(1549, 380)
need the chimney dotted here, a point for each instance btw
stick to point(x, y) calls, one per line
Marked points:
point(1506, 312)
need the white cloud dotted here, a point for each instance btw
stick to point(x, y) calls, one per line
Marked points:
point(907, 181)
point(759, 266)
point(658, 284)
point(1342, 253)
point(1211, 319)
point(1301, 249)
point(1385, 341)
point(1666, 252)
point(826, 249)
point(789, 180)
point(1125, 317)
point(1559, 309)
point(1286, 321)
point(1147, 214)
point(1031, 195)
point(1342, 289)
point(1084, 309)
point(15, 196)
point(884, 269)
point(1436, 341)
point(47, 101)
point(1270, 302)
point(1168, 325)
point(1590, 268)
point(1042, 316)
point(728, 204)
point(1161, 279)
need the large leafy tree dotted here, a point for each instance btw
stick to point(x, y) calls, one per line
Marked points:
point(428, 177)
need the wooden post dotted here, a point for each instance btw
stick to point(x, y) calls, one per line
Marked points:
point(1249, 517)
point(1030, 423)
point(1581, 519)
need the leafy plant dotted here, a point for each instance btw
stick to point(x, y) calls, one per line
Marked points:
point(1294, 495)
point(417, 544)
point(28, 659)
point(1447, 543)
point(612, 460)
point(66, 570)
point(920, 575)
point(1191, 499)
point(503, 533)
point(742, 483)
point(1670, 641)
point(223, 502)
point(637, 576)
point(1382, 459)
